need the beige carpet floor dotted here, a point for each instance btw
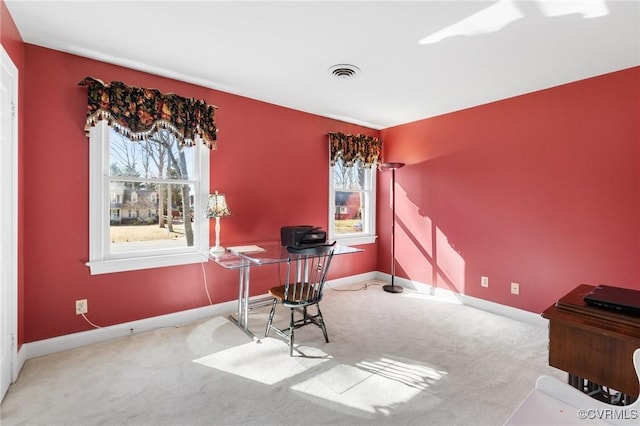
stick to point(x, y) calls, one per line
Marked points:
point(393, 359)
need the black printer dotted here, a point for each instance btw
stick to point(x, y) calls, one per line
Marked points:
point(302, 235)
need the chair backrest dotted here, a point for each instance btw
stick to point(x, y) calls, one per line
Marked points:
point(307, 269)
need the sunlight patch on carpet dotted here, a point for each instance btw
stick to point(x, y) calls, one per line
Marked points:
point(217, 329)
point(413, 375)
point(371, 386)
point(267, 362)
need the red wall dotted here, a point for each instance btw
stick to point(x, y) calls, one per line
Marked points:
point(541, 189)
point(272, 163)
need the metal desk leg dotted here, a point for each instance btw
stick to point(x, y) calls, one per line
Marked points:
point(239, 317)
point(245, 298)
point(242, 319)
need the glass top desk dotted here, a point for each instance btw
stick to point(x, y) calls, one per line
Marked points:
point(243, 258)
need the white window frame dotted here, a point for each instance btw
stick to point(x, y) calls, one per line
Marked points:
point(100, 259)
point(355, 238)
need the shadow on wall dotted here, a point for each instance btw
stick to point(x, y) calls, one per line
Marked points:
point(424, 253)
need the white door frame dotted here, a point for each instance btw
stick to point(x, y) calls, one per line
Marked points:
point(8, 227)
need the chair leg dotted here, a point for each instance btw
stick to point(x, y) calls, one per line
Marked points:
point(291, 324)
point(322, 326)
point(273, 310)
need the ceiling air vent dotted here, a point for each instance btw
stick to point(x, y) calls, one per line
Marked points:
point(344, 71)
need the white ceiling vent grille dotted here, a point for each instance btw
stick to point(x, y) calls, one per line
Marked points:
point(344, 71)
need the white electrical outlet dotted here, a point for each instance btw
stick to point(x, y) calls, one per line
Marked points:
point(81, 307)
point(515, 288)
point(484, 281)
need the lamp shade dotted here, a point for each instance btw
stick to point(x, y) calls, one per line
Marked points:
point(217, 206)
point(391, 166)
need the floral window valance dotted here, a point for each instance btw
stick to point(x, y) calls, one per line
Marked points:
point(352, 148)
point(138, 112)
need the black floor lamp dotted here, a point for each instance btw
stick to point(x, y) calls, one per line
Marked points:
point(393, 167)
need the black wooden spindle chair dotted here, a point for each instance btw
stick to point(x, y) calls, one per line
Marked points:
point(306, 274)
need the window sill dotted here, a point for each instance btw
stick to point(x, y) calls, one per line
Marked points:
point(355, 240)
point(122, 265)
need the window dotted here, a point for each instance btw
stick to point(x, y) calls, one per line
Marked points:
point(352, 203)
point(147, 201)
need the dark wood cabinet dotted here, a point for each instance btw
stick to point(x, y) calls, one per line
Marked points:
point(592, 344)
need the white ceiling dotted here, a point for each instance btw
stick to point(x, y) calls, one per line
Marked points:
point(280, 52)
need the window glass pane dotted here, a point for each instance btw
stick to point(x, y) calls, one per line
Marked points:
point(159, 157)
point(351, 178)
point(350, 208)
point(146, 212)
point(140, 221)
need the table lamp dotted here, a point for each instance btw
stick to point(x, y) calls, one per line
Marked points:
point(216, 208)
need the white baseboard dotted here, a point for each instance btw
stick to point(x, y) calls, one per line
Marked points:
point(482, 304)
point(353, 279)
point(75, 340)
